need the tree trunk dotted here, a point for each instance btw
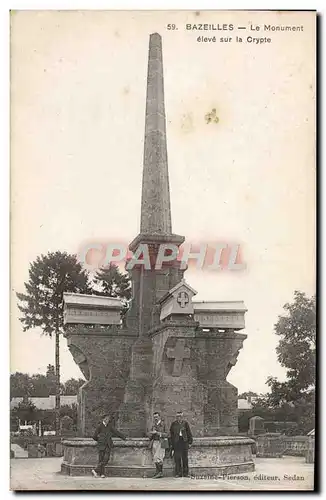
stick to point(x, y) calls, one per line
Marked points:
point(57, 383)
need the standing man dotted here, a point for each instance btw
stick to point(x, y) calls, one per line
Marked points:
point(159, 443)
point(103, 435)
point(181, 439)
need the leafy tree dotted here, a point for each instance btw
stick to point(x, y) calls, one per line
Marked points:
point(50, 372)
point(44, 386)
point(20, 385)
point(49, 277)
point(67, 424)
point(25, 410)
point(71, 412)
point(72, 386)
point(296, 351)
point(48, 418)
point(42, 303)
point(37, 385)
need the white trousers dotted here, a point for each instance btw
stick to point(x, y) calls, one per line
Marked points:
point(158, 452)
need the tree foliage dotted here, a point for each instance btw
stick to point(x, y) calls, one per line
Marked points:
point(50, 372)
point(21, 385)
point(292, 401)
point(72, 386)
point(39, 385)
point(296, 351)
point(297, 346)
point(113, 283)
point(71, 413)
point(49, 277)
point(25, 411)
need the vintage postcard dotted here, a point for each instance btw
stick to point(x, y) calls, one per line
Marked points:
point(163, 310)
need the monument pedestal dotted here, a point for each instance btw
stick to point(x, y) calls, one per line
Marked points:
point(214, 456)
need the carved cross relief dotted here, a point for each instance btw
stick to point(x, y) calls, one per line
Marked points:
point(179, 352)
point(183, 299)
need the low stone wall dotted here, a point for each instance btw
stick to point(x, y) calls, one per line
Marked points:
point(42, 450)
point(270, 445)
point(295, 445)
point(40, 447)
point(274, 444)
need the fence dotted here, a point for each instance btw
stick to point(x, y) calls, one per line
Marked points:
point(295, 445)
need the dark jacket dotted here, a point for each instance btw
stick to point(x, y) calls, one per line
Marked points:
point(103, 435)
point(175, 433)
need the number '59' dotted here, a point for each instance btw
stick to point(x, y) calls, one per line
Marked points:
point(171, 27)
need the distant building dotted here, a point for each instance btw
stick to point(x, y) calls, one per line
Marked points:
point(45, 403)
point(244, 404)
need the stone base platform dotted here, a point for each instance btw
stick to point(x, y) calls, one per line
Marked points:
point(214, 456)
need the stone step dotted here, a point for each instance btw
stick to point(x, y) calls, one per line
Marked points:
point(18, 451)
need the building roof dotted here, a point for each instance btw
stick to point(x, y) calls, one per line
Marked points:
point(244, 404)
point(182, 283)
point(15, 402)
point(45, 403)
point(220, 306)
point(91, 300)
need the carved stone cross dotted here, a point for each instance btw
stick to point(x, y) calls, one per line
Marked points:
point(179, 353)
point(183, 299)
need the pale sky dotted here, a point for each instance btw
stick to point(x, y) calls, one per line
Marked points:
point(78, 89)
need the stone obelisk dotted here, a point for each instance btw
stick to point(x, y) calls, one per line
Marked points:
point(149, 285)
point(155, 206)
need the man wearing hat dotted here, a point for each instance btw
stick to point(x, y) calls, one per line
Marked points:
point(103, 435)
point(181, 439)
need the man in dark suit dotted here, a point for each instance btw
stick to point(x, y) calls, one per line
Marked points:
point(103, 435)
point(181, 439)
